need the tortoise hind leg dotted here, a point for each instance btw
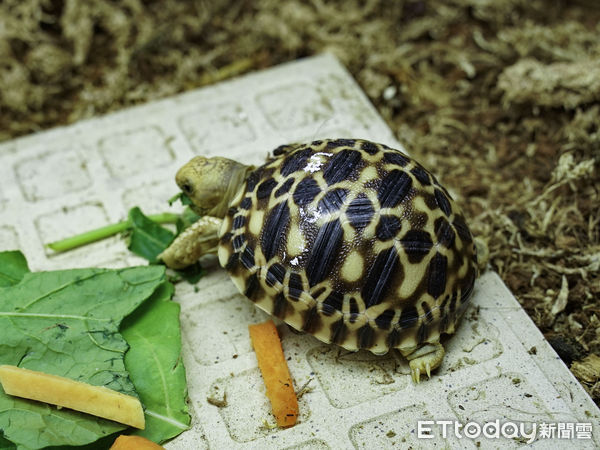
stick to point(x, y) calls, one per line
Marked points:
point(424, 359)
point(199, 239)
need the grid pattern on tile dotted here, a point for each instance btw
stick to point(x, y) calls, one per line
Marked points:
point(64, 181)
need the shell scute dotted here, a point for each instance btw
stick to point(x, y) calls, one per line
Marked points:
point(265, 188)
point(394, 188)
point(306, 191)
point(324, 252)
point(247, 258)
point(378, 281)
point(342, 166)
point(275, 274)
point(417, 244)
point(395, 158)
point(275, 229)
point(295, 161)
point(360, 211)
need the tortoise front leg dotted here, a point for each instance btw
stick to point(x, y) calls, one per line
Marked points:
point(424, 359)
point(199, 239)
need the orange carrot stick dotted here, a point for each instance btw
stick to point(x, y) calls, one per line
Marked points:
point(125, 442)
point(275, 372)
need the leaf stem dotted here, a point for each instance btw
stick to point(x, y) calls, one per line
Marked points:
point(104, 232)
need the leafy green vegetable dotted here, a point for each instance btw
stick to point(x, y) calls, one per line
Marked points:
point(153, 362)
point(184, 199)
point(66, 323)
point(155, 365)
point(188, 217)
point(191, 274)
point(12, 269)
point(104, 232)
point(5, 444)
point(175, 198)
point(148, 239)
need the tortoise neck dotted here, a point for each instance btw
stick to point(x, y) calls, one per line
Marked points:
point(236, 176)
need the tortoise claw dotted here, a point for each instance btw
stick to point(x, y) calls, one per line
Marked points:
point(424, 360)
point(416, 375)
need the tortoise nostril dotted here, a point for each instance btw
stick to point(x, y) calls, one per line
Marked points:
point(187, 188)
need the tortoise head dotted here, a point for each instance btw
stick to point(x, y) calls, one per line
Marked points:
point(211, 183)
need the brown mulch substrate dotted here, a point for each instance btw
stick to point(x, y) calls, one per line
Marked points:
point(500, 98)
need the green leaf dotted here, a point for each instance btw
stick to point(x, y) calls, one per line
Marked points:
point(5, 444)
point(182, 197)
point(187, 218)
point(191, 274)
point(155, 365)
point(175, 198)
point(104, 232)
point(67, 323)
point(13, 266)
point(148, 239)
point(185, 200)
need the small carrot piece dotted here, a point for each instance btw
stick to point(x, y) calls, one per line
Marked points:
point(126, 442)
point(275, 372)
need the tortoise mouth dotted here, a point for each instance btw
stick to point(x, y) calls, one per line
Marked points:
point(198, 210)
point(185, 200)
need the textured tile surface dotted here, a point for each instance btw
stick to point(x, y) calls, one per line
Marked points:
point(62, 182)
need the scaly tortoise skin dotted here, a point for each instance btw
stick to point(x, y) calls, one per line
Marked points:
point(350, 241)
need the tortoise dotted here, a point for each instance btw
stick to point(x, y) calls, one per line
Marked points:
point(349, 240)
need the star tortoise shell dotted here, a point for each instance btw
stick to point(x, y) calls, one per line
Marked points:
point(353, 242)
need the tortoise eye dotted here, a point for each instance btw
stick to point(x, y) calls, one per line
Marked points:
point(187, 188)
